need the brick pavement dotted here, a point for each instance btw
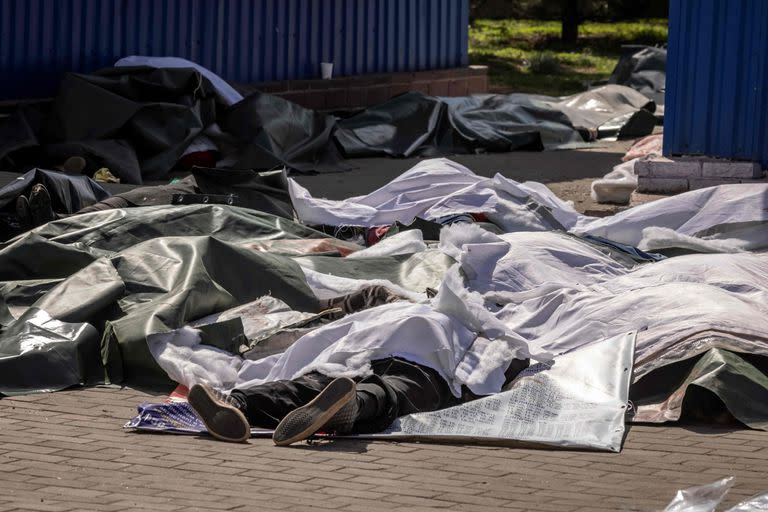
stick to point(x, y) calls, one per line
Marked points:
point(67, 451)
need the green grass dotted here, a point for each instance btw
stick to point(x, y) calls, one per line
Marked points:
point(528, 56)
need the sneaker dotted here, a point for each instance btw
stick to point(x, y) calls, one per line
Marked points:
point(24, 213)
point(40, 205)
point(222, 418)
point(334, 409)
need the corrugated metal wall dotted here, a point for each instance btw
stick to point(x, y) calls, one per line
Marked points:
point(717, 79)
point(241, 40)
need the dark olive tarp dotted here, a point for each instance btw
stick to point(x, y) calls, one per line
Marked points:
point(136, 271)
point(125, 274)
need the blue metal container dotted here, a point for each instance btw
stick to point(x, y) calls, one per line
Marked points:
point(241, 40)
point(717, 79)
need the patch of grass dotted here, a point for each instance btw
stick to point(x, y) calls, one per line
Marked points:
point(528, 56)
point(544, 63)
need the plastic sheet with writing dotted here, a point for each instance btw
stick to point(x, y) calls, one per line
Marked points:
point(578, 402)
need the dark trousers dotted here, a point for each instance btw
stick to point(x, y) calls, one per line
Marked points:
point(396, 388)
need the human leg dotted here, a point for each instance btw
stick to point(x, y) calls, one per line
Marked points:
point(267, 404)
point(398, 387)
point(229, 417)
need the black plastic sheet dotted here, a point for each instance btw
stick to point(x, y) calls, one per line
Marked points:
point(69, 194)
point(412, 124)
point(138, 122)
point(644, 69)
point(268, 132)
point(135, 121)
point(263, 191)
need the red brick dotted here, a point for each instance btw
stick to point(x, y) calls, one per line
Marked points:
point(420, 86)
point(477, 84)
point(295, 97)
point(356, 97)
point(336, 98)
point(439, 88)
point(657, 461)
point(376, 95)
point(315, 100)
point(459, 87)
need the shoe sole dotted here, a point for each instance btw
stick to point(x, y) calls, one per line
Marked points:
point(217, 416)
point(301, 423)
point(23, 212)
point(40, 206)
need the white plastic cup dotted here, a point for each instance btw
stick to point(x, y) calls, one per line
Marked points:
point(326, 70)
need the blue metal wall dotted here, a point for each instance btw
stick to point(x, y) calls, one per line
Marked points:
point(717, 79)
point(241, 40)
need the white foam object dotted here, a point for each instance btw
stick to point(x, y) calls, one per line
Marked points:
point(617, 186)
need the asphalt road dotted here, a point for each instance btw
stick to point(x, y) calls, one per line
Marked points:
point(545, 167)
point(567, 172)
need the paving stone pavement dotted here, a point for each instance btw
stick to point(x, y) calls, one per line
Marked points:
point(67, 451)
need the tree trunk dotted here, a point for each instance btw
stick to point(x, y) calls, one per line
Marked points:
point(570, 32)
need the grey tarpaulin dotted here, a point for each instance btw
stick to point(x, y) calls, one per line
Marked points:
point(136, 271)
point(412, 124)
point(39, 353)
point(415, 124)
point(115, 230)
point(642, 68)
point(263, 191)
point(266, 191)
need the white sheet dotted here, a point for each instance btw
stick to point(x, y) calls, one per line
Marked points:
point(440, 187)
point(529, 293)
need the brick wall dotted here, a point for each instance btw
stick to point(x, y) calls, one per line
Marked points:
point(362, 91)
